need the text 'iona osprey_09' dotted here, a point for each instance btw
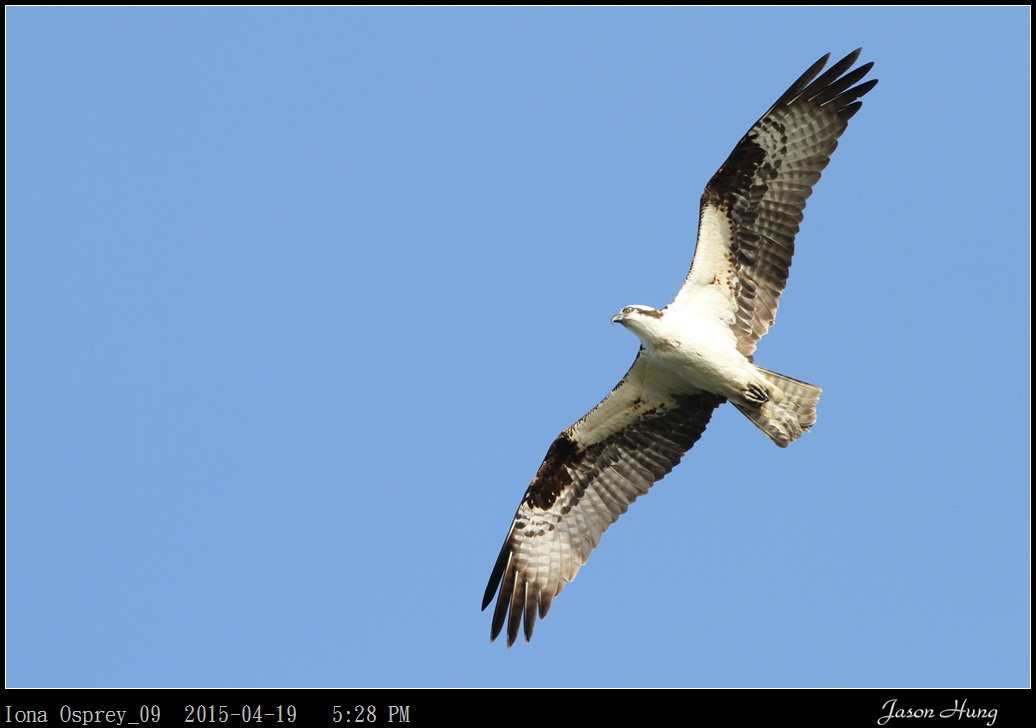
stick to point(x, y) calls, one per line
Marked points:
point(695, 354)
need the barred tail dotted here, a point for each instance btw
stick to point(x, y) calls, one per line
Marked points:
point(784, 410)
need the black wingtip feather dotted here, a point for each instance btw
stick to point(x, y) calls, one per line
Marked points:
point(529, 619)
point(830, 76)
point(828, 86)
point(803, 81)
point(498, 573)
point(835, 89)
point(514, 619)
point(500, 613)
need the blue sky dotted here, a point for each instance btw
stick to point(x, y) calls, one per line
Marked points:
point(298, 298)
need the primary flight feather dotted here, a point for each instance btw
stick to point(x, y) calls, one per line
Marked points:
point(695, 354)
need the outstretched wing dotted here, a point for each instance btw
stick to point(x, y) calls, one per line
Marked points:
point(591, 473)
point(752, 207)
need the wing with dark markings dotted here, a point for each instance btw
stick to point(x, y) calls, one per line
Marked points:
point(591, 473)
point(752, 207)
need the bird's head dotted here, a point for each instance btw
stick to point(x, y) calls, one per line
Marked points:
point(638, 318)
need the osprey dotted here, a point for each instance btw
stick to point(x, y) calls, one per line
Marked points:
point(695, 354)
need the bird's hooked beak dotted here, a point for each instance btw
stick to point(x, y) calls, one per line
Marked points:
point(618, 318)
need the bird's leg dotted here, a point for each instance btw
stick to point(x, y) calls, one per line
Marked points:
point(755, 395)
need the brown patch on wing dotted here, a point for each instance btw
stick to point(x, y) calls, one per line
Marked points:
point(552, 476)
point(734, 175)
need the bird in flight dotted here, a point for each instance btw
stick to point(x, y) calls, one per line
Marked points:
point(695, 354)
